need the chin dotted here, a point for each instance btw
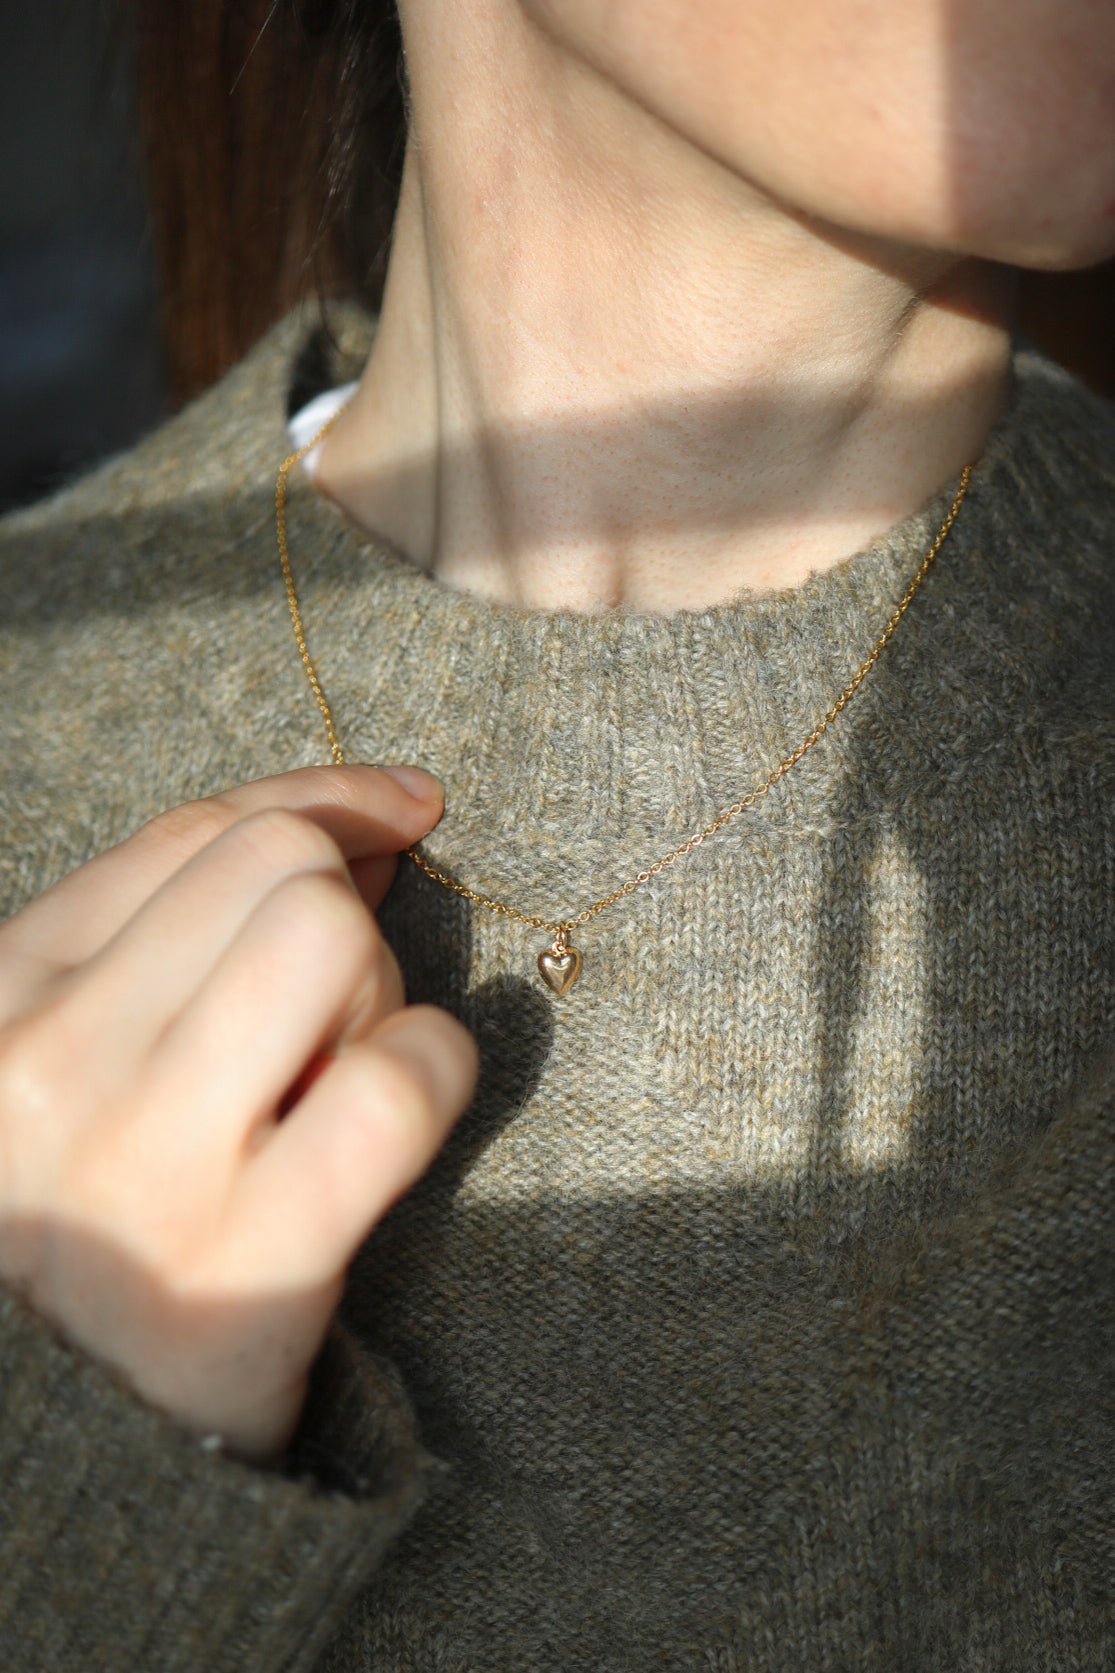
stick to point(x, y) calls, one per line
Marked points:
point(1070, 256)
point(1058, 246)
point(1058, 223)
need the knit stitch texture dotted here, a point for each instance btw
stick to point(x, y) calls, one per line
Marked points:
point(757, 1317)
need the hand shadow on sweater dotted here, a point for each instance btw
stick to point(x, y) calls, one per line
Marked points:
point(430, 931)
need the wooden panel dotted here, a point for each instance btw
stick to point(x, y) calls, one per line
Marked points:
point(1072, 317)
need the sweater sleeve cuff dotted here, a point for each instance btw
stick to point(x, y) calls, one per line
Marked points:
point(127, 1543)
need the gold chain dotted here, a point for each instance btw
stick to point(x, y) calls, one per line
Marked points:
point(561, 965)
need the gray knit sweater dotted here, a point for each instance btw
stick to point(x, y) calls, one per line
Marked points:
point(757, 1318)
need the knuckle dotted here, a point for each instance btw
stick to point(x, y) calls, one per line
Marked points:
point(456, 1047)
point(404, 1095)
point(38, 1102)
point(390, 987)
point(282, 841)
point(29, 1063)
point(325, 914)
point(191, 826)
point(377, 979)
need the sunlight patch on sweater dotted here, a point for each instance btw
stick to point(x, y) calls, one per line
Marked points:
point(887, 1046)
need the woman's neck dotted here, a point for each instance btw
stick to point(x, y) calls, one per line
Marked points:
point(610, 373)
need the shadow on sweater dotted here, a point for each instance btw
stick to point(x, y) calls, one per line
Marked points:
point(860, 1404)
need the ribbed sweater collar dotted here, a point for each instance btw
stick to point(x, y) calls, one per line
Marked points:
point(613, 736)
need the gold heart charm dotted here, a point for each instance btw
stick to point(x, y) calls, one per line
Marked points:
point(560, 970)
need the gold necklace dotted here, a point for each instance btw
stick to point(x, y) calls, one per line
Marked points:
point(560, 964)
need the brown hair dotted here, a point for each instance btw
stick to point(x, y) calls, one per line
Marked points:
point(274, 134)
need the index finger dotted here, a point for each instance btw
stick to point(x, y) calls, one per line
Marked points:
point(367, 811)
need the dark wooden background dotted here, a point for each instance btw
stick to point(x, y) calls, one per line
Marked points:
point(1072, 317)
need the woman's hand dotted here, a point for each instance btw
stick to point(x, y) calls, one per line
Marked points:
point(156, 1008)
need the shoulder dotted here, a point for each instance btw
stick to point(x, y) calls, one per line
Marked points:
point(1039, 598)
point(1051, 466)
point(144, 648)
point(1006, 676)
point(174, 498)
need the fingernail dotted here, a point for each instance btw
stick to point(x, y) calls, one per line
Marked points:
point(423, 786)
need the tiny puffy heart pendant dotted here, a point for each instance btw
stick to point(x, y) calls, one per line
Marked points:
point(560, 965)
point(560, 970)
